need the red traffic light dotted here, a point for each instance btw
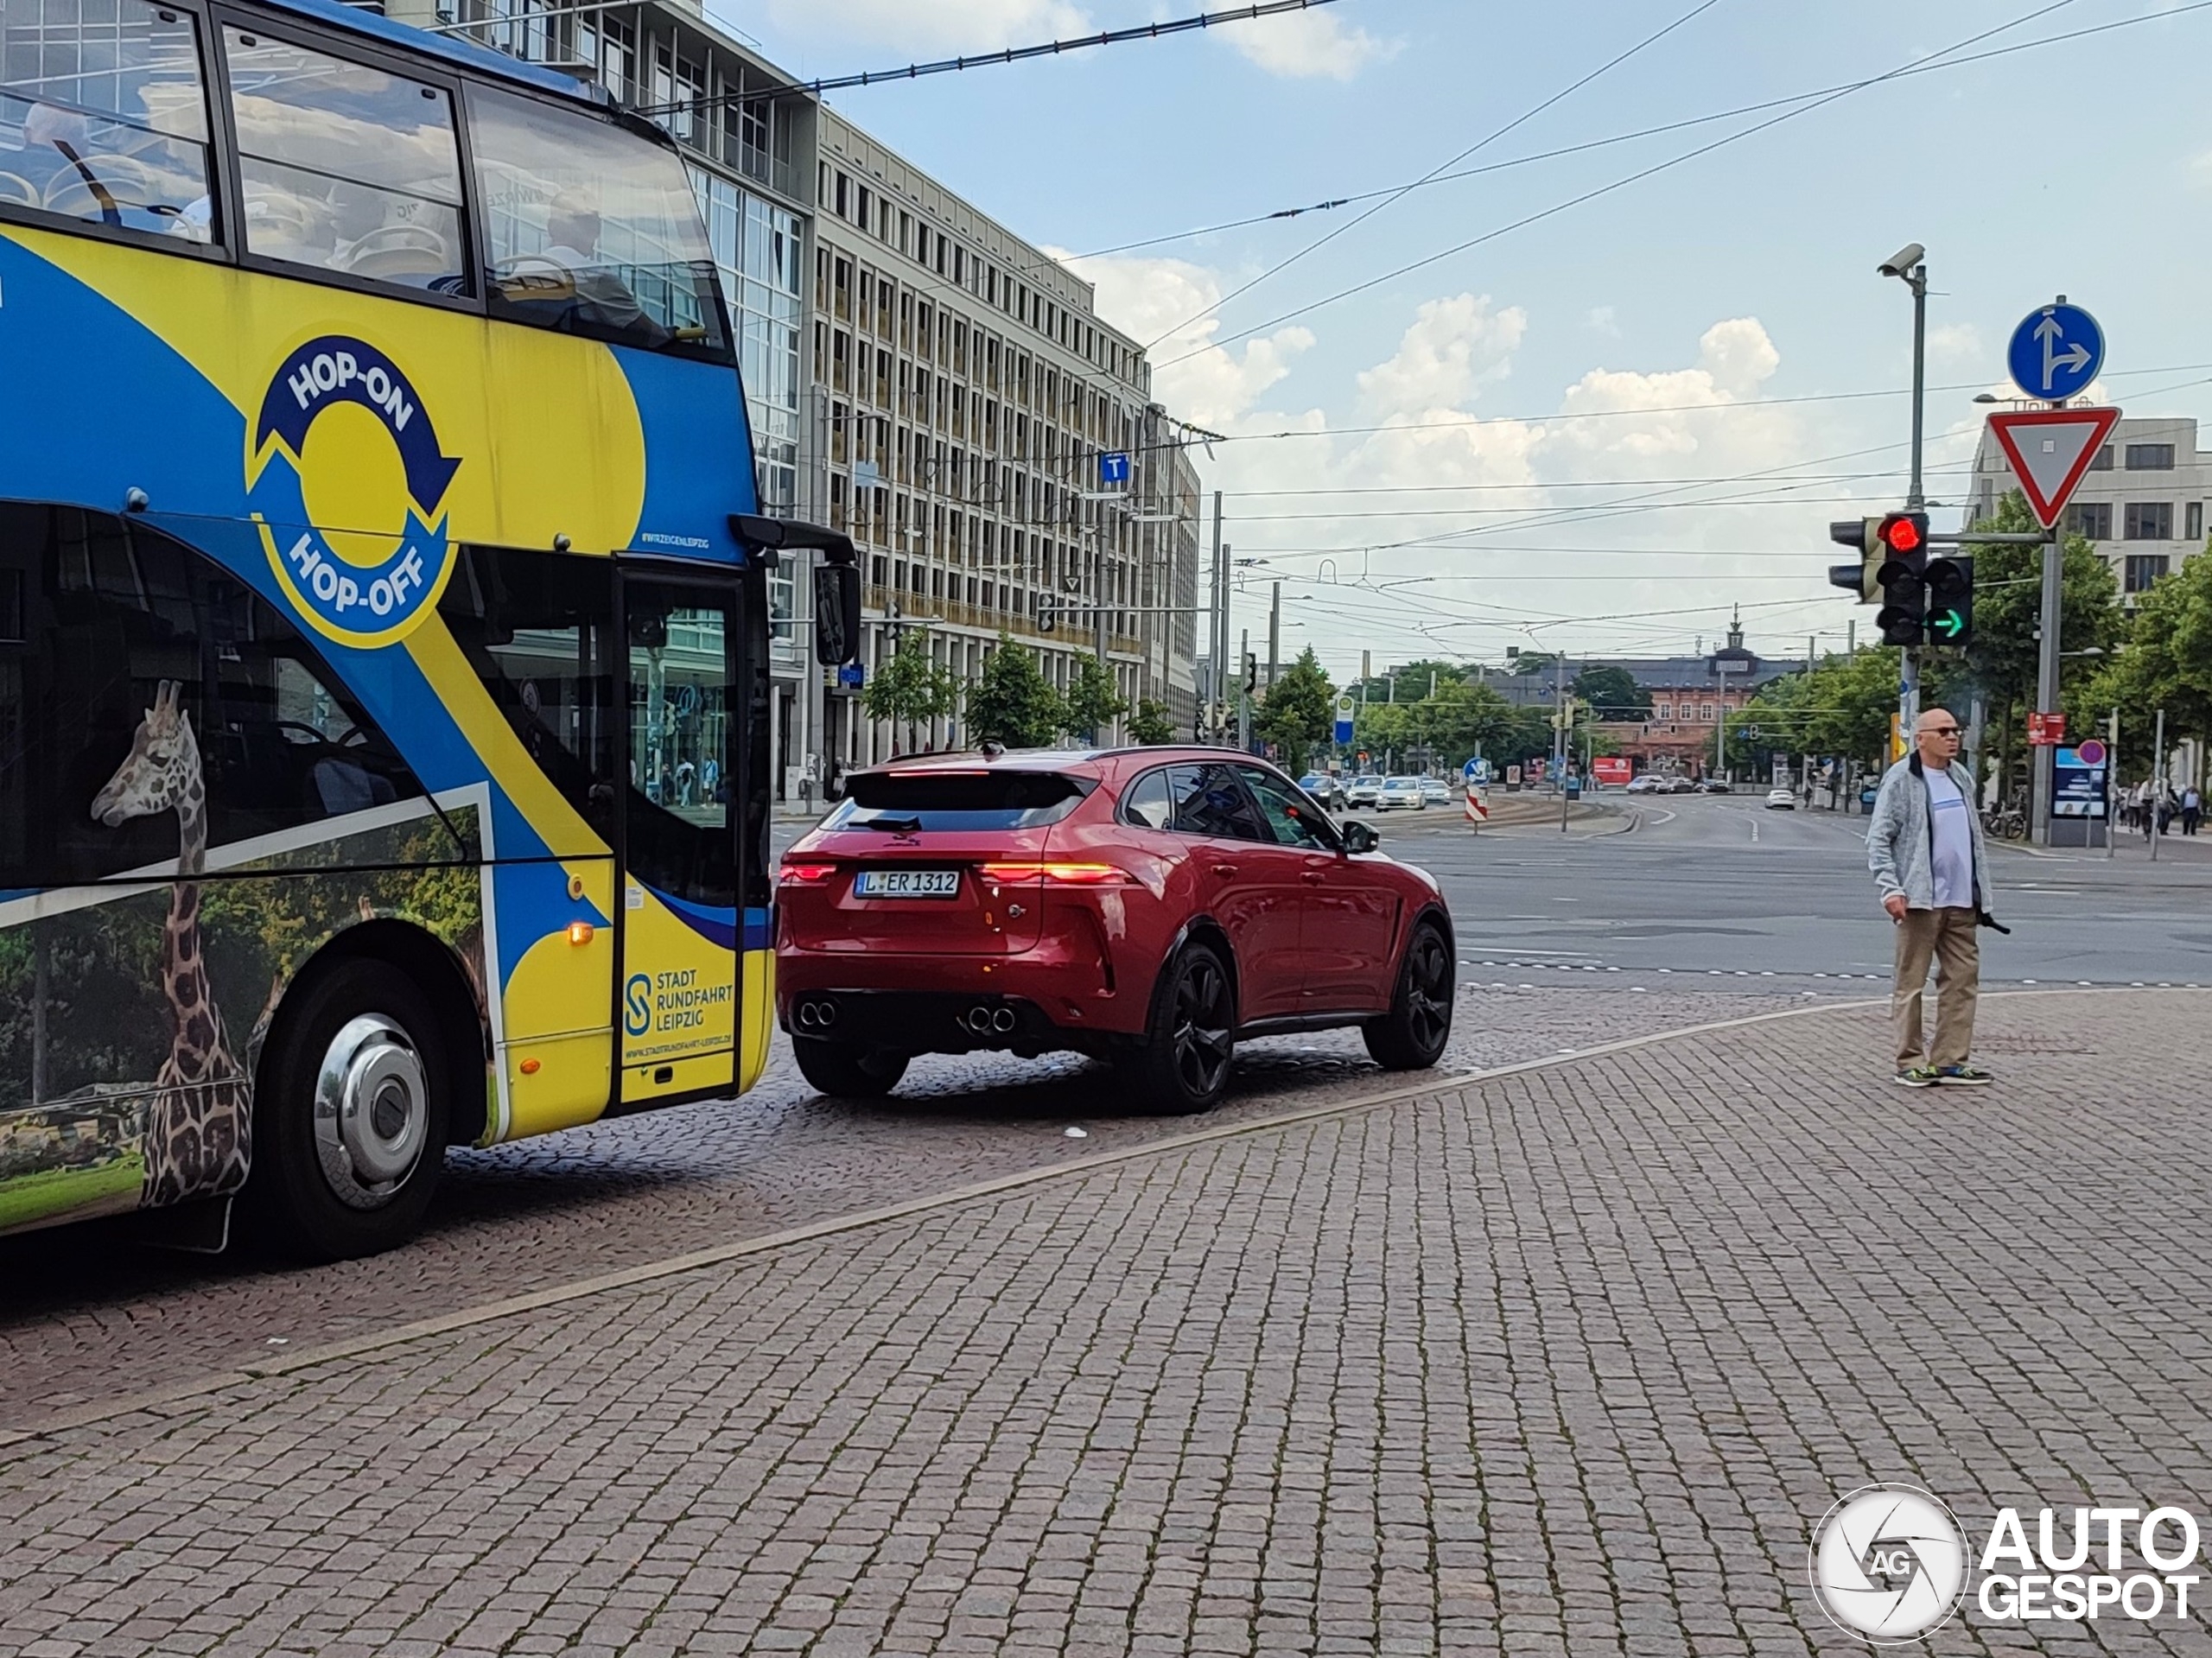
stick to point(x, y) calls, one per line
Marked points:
point(1905, 532)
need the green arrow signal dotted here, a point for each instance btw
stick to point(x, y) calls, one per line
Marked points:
point(1950, 622)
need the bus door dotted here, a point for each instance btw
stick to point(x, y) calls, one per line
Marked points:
point(676, 999)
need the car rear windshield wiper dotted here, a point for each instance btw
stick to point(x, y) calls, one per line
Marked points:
point(906, 825)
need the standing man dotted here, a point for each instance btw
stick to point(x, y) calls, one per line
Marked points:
point(2192, 810)
point(1925, 849)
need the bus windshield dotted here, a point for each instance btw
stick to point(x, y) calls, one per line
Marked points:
point(593, 230)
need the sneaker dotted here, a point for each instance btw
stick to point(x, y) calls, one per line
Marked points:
point(1918, 1076)
point(1970, 1076)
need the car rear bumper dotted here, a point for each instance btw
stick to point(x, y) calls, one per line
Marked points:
point(931, 1021)
point(1067, 995)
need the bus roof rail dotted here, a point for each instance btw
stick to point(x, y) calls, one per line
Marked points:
point(459, 52)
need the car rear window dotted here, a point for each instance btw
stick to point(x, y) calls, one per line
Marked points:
point(957, 801)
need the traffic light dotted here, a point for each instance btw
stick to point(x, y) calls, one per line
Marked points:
point(1950, 601)
point(1903, 619)
point(1863, 535)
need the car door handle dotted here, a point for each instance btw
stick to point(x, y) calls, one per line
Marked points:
point(1313, 878)
point(1225, 870)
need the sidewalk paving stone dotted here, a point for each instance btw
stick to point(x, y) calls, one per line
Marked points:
point(1566, 1360)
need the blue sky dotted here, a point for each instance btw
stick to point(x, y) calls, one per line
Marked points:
point(1682, 340)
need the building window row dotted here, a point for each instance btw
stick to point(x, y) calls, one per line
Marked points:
point(876, 213)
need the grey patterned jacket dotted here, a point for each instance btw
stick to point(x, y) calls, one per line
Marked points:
point(1900, 842)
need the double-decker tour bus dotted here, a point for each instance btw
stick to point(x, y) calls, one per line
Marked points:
point(383, 622)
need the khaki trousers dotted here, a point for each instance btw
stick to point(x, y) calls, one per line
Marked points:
point(1949, 937)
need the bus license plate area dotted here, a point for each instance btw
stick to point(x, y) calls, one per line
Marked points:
point(907, 883)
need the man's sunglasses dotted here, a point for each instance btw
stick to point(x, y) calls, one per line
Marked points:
point(1943, 731)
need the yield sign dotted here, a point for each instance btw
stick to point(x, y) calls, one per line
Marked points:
point(2051, 450)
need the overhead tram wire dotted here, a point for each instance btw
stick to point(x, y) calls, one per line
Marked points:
point(1622, 183)
point(1430, 180)
point(989, 59)
point(1484, 142)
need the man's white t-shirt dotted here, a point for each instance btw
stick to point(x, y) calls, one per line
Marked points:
point(1952, 865)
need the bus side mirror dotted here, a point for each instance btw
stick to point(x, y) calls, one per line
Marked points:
point(836, 614)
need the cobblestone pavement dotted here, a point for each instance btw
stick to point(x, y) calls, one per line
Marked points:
point(87, 1315)
point(1562, 1361)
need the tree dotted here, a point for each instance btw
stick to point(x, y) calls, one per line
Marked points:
point(1411, 681)
point(911, 689)
point(1150, 724)
point(1613, 693)
point(1300, 710)
point(2167, 663)
point(1012, 702)
point(2001, 662)
point(1461, 718)
point(1093, 704)
point(1840, 706)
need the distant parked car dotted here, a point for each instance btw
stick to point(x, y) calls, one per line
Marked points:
point(1436, 792)
point(1681, 786)
point(1713, 786)
point(1401, 791)
point(1781, 800)
point(1647, 784)
point(1363, 791)
point(1325, 788)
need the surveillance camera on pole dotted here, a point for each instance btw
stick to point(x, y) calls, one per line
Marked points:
point(1901, 262)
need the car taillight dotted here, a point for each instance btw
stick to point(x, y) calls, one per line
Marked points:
point(1054, 872)
point(807, 874)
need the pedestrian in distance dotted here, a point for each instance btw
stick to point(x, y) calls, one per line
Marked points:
point(2192, 810)
point(1925, 849)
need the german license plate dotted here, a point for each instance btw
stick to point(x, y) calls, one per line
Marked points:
point(907, 883)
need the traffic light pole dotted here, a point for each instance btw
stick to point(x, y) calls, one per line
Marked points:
point(1916, 499)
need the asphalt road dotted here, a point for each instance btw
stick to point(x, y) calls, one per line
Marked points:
point(1721, 888)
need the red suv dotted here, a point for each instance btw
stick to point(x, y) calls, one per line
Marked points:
point(1148, 906)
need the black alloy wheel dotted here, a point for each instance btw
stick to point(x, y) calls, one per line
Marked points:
point(1413, 1034)
point(1183, 1066)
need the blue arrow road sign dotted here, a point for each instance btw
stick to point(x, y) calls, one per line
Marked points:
point(2056, 352)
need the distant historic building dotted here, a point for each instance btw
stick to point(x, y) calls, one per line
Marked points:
point(1691, 696)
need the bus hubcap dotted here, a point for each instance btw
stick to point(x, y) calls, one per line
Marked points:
point(372, 1111)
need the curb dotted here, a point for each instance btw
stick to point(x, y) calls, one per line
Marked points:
point(694, 1260)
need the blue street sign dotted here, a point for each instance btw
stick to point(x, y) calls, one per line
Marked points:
point(1114, 468)
point(1343, 719)
point(2056, 352)
point(1344, 731)
point(852, 675)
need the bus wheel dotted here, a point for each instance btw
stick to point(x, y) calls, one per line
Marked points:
point(844, 1072)
point(350, 1123)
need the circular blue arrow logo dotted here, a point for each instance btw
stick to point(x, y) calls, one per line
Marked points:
point(2056, 352)
point(367, 571)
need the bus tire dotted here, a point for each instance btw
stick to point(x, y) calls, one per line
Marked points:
point(350, 1118)
point(845, 1072)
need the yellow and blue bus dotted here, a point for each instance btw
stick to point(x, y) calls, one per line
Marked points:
point(383, 620)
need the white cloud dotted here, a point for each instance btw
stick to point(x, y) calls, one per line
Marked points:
point(1411, 527)
point(1306, 45)
point(1453, 345)
point(1170, 302)
point(1955, 342)
point(906, 25)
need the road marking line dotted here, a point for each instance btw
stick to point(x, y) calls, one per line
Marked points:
point(697, 1259)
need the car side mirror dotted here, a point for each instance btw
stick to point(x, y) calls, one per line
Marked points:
point(1358, 837)
point(836, 614)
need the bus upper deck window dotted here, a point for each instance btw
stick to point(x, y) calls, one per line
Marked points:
point(593, 229)
point(344, 167)
point(103, 117)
